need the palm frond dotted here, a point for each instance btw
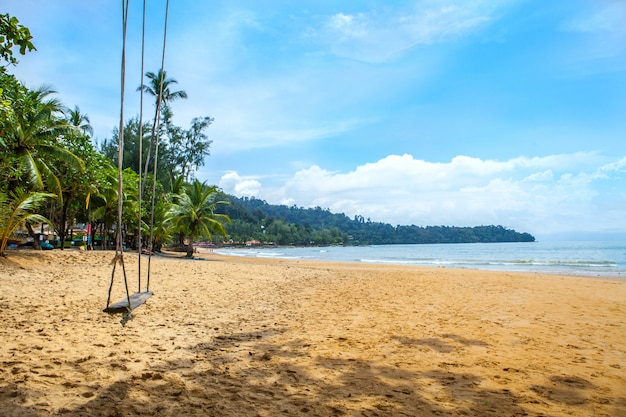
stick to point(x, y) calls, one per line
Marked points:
point(18, 208)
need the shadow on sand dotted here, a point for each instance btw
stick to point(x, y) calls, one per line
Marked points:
point(250, 374)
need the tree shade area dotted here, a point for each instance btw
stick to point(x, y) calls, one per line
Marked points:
point(256, 220)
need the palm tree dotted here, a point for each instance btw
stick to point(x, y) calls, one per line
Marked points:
point(160, 231)
point(194, 213)
point(160, 82)
point(18, 208)
point(32, 138)
point(160, 87)
point(105, 202)
point(79, 120)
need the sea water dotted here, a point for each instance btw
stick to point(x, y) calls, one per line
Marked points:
point(606, 259)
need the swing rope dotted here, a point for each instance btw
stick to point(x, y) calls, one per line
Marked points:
point(156, 140)
point(119, 249)
point(137, 299)
point(140, 188)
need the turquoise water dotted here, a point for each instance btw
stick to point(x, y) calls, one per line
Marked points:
point(607, 259)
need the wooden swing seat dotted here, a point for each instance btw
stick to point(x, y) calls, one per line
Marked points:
point(136, 300)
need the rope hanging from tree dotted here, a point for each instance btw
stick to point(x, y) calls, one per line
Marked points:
point(119, 249)
point(127, 305)
point(155, 136)
point(140, 187)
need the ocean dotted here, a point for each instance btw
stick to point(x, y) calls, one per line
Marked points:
point(605, 259)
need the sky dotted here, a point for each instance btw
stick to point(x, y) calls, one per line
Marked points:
point(425, 112)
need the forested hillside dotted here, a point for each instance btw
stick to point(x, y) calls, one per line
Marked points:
point(254, 219)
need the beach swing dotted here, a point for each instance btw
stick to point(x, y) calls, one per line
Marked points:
point(133, 301)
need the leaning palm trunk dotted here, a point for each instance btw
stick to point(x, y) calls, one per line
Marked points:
point(33, 235)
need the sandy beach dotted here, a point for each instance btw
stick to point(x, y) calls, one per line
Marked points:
point(247, 337)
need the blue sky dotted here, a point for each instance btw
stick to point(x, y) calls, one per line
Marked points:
point(429, 112)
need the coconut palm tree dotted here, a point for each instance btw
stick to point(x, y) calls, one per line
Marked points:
point(18, 208)
point(159, 87)
point(31, 138)
point(160, 82)
point(79, 120)
point(160, 231)
point(194, 213)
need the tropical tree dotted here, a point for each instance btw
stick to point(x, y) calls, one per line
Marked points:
point(130, 153)
point(19, 208)
point(187, 149)
point(13, 34)
point(31, 136)
point(159, 87)
point(160, 230)
point(160, 83)
point(77, 185)
point(105, 203)
point(12, 96)
point(79, 120)
point(194, 213)
point(104, 206)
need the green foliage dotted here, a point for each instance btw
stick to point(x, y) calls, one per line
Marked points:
point(194, 213)
point(181, 151)
point(160, 230)
point(77, 182)
point(159, 82)
point(186, 149)
point(12, 96)
point(12, 34)
point(254, 219)
point(104, 203)
point(130, 154)
point(80, 121)
point(18, 208)
point(31, 136)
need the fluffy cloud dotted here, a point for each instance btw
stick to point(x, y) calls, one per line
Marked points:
point(233, 183)
point(540, 195)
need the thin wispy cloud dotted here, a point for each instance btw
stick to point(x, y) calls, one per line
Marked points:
point(386, 33)
point(609, 18)
point(604, 25)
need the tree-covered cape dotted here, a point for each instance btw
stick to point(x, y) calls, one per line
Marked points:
point(256, 220)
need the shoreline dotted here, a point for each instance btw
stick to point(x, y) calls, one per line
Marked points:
point(615, 276)
point(234, 336)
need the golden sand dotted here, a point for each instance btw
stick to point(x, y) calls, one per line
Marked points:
point(248, 337)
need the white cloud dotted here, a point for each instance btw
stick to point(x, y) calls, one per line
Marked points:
point(539, 195)
point(233, 183)
point(378, 35)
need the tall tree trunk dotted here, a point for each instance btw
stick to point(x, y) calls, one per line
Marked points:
point(103, 235)
point(190, 246)
point(63, 225)
point(92, 235)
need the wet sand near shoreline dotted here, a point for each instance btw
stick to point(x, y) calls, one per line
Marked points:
point(248, 337)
